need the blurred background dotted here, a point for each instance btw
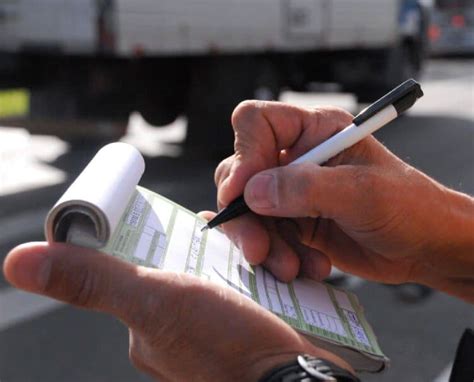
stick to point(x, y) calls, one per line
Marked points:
point(165, 77)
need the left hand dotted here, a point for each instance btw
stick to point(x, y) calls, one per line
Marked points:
point(181, 327)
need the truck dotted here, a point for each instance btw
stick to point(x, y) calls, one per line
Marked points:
point(87, 64)
point(451, 31)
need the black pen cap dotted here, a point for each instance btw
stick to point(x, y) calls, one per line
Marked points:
point(402, 98)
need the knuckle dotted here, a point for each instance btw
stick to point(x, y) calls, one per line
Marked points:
point(366, 188)
point(364, 180)
point(84, 290)
point(290, 270)
point(319, 235)
point(314, 209)
point(169, 334)
point(222, 170)
point(301, 189)
point(342, 115)
point(168, 310)
point(135, 357)
point(245, 111)
point(332, 116)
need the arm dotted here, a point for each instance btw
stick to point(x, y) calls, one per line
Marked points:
point(449, 267)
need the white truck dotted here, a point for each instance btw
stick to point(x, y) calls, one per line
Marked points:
point(95, 61)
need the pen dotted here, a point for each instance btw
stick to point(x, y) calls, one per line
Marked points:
point(378, 114)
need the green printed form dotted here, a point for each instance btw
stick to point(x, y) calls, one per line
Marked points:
point(155, 232)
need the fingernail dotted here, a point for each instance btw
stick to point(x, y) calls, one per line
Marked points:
point(33, 272)
point(263, 191)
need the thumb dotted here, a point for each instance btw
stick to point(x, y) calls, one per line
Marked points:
point(90, 279)
point(307, 190)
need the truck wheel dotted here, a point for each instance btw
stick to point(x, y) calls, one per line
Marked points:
point(404, 63)
point(401, 63)
point(162, 89)
point(369, 94)
point(217, 87)
point(268, 82)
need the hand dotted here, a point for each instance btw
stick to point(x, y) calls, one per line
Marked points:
point(181, 328)
point(366, 211)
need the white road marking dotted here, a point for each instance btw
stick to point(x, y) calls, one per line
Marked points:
point(444, 375)
point(21, 161)
point(17, 307)
point(155, 141)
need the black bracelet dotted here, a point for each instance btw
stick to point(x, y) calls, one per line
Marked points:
point(307, 368)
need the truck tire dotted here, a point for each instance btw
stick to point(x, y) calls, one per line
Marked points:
point(404, 63)
point(401, 63)
point(218, 85)
point(161, 90)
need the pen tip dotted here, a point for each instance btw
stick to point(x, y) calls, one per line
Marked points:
point(206, 227)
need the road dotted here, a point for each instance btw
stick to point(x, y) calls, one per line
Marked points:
point(42, 340)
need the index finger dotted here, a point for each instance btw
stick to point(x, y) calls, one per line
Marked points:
point(271, 134)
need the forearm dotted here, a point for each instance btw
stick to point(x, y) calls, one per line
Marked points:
point(450, 265)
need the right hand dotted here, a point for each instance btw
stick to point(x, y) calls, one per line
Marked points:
point(366, 211)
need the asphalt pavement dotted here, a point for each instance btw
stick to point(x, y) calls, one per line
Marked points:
point(43, 340)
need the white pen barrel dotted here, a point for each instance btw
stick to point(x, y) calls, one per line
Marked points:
point(348, 137)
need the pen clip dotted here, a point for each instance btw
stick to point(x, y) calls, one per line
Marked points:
point(402, 98)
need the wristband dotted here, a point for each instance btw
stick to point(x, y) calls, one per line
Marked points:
point(307, 368)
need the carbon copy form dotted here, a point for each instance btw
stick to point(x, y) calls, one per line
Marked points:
point(105, 209)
